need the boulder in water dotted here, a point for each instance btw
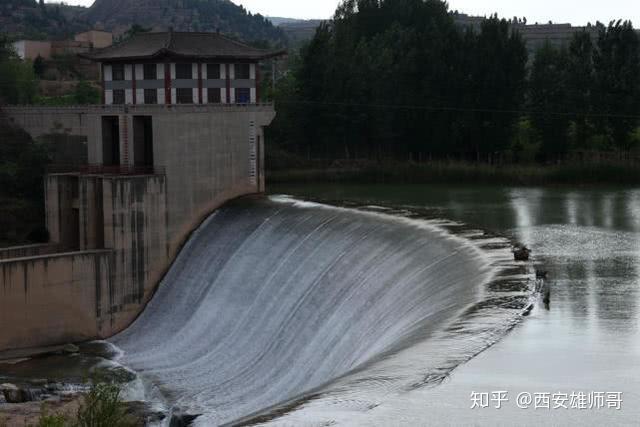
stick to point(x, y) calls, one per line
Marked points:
point(521, 253)
point(182, 419)
point(14, 394)
point(141, 413)
point(71, 349)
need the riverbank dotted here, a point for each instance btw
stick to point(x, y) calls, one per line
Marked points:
point(461, 173)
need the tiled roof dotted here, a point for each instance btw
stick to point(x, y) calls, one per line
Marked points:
point(185, 45)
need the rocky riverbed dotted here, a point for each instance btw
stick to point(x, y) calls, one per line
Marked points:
point(55, 382)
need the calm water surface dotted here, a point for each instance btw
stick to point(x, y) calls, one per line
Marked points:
point(588, 340)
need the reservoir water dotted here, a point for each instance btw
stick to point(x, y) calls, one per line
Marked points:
point(587, 341)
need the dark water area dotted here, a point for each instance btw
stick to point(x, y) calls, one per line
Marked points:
point(586, 341)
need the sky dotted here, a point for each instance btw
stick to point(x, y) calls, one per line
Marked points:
point(577, 12)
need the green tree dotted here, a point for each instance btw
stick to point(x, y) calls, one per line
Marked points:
point(548, 99)
point(17, 79)
point(617, 75)
point(86, 94)
point(499, 84)
point(580, 85)
point(39, 66)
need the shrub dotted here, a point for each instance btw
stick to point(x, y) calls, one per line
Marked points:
point(102, 407)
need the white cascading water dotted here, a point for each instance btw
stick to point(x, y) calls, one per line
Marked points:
point(274, 299)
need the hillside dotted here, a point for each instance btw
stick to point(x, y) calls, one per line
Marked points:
point(184, 15)
point(29, 19)
point(297, 31)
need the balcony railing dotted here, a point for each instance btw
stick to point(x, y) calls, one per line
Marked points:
point(97, 169)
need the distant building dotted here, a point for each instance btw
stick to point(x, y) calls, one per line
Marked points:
point(181, 68)
point(98, 39)
point(534, 35)
point(558, 35)
point(31, 49)
point(82, 43)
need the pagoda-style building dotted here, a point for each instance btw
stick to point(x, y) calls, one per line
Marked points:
point(180, 68)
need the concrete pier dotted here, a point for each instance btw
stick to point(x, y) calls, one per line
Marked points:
point(117, 221)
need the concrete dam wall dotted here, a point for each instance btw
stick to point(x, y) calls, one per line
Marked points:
point(153, 174)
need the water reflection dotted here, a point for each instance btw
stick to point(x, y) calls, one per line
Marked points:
point(588, 240)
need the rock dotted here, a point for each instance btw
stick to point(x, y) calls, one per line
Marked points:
point(54, 387)
point(141, 413)
point(111, 374)
point(14, 394)
point(70, 349)
point(521, 253)
point(40, 382)
point(68, 397)
point(181, 419)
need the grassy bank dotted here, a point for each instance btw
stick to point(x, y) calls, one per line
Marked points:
point(463, 173)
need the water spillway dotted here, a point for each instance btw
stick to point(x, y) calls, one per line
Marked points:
point(271, 300)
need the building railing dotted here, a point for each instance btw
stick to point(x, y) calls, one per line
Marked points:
point(97, 169)
point(132, 108)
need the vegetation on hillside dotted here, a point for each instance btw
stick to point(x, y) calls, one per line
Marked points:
point(22, 161)
point(186, 15)
point(31, 19)
point(35, 20)
point(397, 79)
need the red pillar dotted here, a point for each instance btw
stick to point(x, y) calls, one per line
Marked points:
point(104, 89)
point(228, 84)
point(200, 82)
point(133, 84)
point(167, 83)
point(257, 82)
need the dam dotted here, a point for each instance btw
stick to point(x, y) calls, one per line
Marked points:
point(278, 305)
point(180, 131)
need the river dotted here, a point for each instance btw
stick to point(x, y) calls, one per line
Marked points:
point(586, 345)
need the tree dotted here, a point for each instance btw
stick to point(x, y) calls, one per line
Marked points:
point(548, 99)
point(17, 82)
point(499, 73)
point(39, 66)
point(133, 30)
point(617, 76)
point(86, 94)
point(580, 85)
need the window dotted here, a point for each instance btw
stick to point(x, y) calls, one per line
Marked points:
point(243, 71)
point(118, 96)
point(213, 95)
point(243, 95)
point(150, 96)
point(213, 71)
point(150, 72)
point(117, 72)
point(184, 71)
point(184, 96)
